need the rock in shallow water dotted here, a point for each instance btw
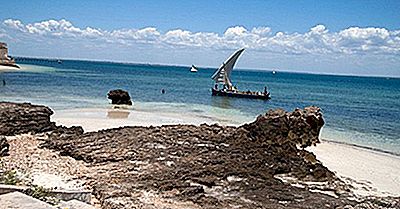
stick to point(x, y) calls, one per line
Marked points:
point(119, 97)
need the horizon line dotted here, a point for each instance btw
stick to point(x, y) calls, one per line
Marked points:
point(209, 67)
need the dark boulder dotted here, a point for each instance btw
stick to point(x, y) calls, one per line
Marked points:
point(300, 127)
point(119, 97)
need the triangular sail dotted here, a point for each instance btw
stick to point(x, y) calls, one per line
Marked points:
point(193, 69)
point(223, 73)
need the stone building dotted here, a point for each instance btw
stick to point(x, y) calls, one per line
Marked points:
point(4, 58)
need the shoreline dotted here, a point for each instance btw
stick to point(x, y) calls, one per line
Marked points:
point(208, 160)
point(118, 117)
point(95, 119)
point(371, 149)
point(372, 178)
point(8, 68)
point(369, 171)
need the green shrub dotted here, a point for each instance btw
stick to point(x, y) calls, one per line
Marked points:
point(9, 177)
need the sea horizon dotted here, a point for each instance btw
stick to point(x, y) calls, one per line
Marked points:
point(207, 67)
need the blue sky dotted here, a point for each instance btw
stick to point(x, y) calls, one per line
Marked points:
point(342, 37)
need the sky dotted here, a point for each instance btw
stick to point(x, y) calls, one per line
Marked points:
point(335, 37)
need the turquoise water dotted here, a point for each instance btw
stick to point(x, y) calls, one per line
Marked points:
point(358, 110)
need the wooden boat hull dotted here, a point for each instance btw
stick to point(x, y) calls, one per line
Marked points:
point(240, 94)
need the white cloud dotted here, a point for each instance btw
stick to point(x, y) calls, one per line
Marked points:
point(145, 35)
point(365, 33)
point(92, 32)
point(374, 40)
point(14, 24)
point(235, 32)
point(261, 31)
point(319, 29)
point(178, 37)
point(53, 28)
point(318, 40)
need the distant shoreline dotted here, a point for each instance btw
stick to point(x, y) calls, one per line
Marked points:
point(9, 68)
point(212, 68)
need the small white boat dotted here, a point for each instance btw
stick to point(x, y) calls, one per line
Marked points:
point(273, 72)
point(193, 69)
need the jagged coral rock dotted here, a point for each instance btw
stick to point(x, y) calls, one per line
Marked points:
point(211, 166)
point(18, 118)
point(300, 127)
point(206, 166)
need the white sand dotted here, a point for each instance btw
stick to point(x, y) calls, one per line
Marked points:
point(43, 167)
point(7, 68)
point(97, 119)
point(370, 172)
point(26, 68)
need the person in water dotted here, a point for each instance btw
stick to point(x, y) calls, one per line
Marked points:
point(162, 91)
point(4, 82)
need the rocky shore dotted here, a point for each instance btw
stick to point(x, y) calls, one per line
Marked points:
point(257, 165)
point(19, 118)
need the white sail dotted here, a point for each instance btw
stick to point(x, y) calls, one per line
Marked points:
point(223, 73)
point(193, 69)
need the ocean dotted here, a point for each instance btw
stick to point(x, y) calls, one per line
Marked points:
point(362, 111)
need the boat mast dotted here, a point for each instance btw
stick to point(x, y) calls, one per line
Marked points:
point(223, 73)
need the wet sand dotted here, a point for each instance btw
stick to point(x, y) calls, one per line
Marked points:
point(95, 119)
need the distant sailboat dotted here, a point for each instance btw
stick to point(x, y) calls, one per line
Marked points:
point(222, 77)
point(193, 69)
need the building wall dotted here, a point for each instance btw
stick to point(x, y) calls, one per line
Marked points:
point(4, 52)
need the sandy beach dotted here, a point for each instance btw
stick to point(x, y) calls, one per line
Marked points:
point(7, 69)
point(94, 119)
point(369, 172)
